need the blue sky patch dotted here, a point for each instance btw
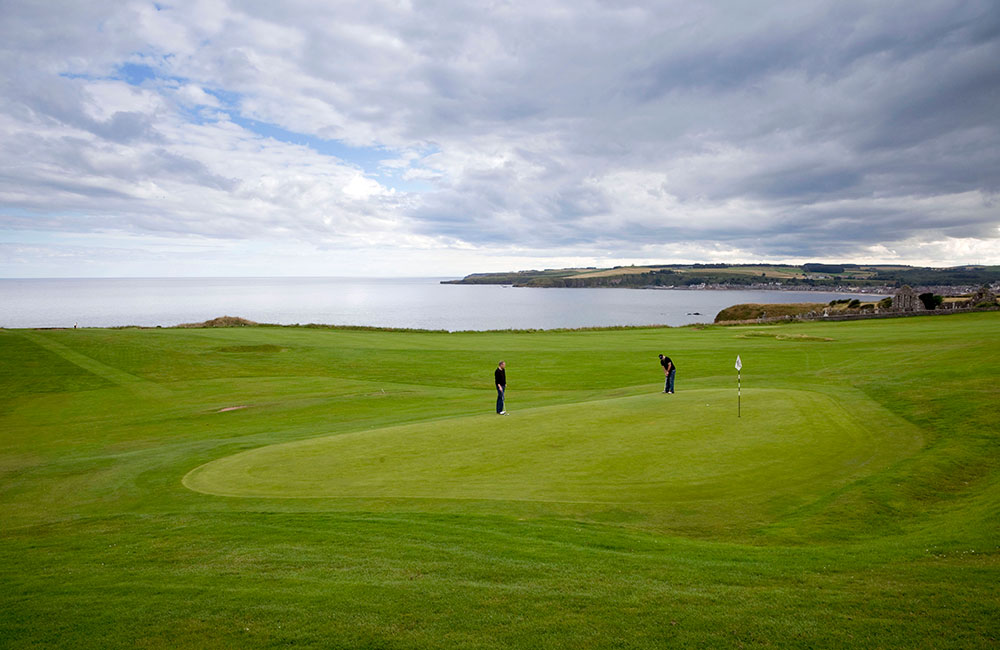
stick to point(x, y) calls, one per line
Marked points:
point(135, 74)
point(366, 158)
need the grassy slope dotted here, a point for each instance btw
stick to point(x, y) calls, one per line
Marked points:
point(771, 272)
point(693, 274)
point(747, 311)
point(103, 546)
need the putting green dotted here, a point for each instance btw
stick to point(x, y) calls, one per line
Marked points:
point(684, 452)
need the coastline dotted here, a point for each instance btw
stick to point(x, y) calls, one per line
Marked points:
point(881, 291)
point(404, 304)
point(830, 278)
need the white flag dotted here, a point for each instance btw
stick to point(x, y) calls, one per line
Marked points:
point(739, 364)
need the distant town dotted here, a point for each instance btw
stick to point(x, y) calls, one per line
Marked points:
point(855, 278)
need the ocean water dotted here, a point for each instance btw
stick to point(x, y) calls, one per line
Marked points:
point(421, 303)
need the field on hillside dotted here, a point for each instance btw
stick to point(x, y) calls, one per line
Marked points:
point(769, 271)
point(310, 487)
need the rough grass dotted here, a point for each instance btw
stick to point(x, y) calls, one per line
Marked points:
point(366, 496)
point(781, 336)
point(222, 321)
point(748, 311)
point(620, 270)
point(768, 273)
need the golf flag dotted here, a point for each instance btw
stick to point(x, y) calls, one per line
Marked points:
point(739, 391)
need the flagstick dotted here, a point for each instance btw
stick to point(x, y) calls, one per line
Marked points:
point(739, 384)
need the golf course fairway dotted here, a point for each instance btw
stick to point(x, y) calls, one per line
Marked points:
point(316, 487)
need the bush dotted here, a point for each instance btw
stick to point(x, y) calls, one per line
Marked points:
point(931, 301)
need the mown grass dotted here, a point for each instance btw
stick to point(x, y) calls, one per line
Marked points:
point(855, 504)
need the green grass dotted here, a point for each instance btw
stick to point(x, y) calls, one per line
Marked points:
point(607, 456)
point(366, 496)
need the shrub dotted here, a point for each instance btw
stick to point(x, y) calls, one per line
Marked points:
point(930, 300)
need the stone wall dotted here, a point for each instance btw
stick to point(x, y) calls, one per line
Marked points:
point(907, 300)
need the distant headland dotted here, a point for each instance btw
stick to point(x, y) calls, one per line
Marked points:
point(866, 278)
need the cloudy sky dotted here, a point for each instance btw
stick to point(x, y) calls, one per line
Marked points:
point(410, 138)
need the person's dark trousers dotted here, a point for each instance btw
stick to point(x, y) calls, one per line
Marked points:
point(499, 400)
point(670, 381)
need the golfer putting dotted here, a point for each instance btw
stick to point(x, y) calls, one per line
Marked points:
point(669, 370)
point(500, 378)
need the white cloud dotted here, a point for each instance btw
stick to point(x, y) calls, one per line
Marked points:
point(361, 188)
point(193, 95)
point(566, 131)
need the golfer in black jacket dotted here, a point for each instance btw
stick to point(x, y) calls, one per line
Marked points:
point(669, 370)
point(500, 377)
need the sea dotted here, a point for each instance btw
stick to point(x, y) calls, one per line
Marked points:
point(411, 303)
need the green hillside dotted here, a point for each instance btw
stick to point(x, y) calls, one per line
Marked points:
point(313, 487)
point(739, 275)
